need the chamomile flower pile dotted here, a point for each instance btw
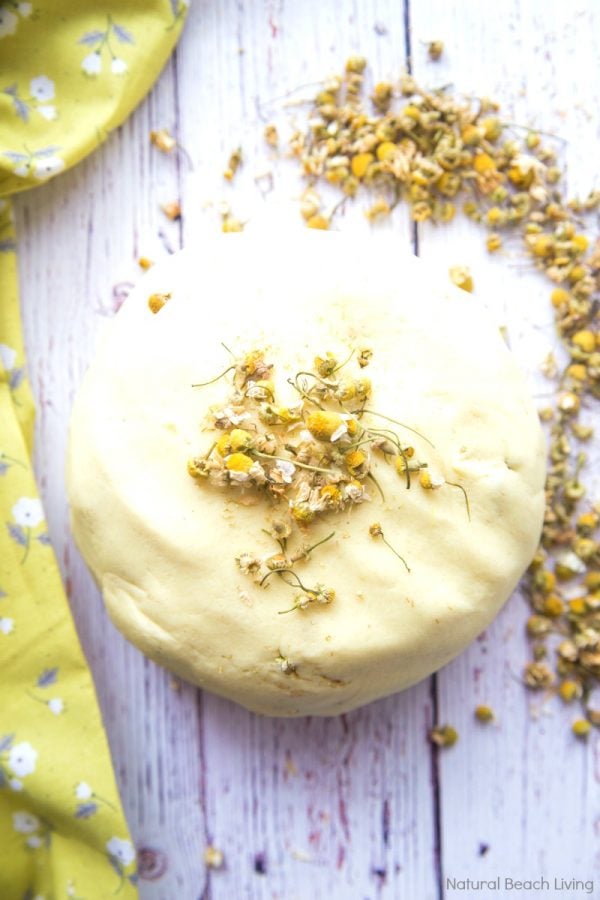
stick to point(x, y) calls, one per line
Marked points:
point(308, 460)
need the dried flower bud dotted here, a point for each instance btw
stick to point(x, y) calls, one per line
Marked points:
point(443, 735)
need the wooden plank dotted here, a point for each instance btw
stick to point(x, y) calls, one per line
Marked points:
point(523, 788)
point(340, 807)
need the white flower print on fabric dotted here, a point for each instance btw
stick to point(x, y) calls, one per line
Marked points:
point(118, 66)
point(39, 832)
point(92, 64)
point(56, 705)
point(28, 512)
point(42, 88)
point(103, 43)
point(121, 850)
point(17, 761)
point(25, 822)
point(22, 759)
point(40, 164)
point(83, 791)
point(8, 22)
point(8, 357)
point(47, 167)
point(6, 625)
point(41, 92)
point(121, 853)
point(90, 803)
point(48, 112)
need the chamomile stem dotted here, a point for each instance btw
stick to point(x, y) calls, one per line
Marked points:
point(461, 488)
point(387, 543)
point(377, 485)
point(212, 381)
point(346, 361)
point(318, 544)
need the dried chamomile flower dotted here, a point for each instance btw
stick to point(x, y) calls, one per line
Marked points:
point(537, 675)
point(310, 204)
point(231, 225)
point(163, 140)
point(462, 278)
point(376, 531)
point(443, 735)
point(379, 210)
point(431, 482)
point(569, 690)
point(157, 301)
point(435, 50)
point(364, 358)
point(326, 425)
point(326, 365)
point(581, 728)
point(271, 135)
point(145, 263)
point(318, 221)
point(213, 858)
point(248, 564)
point(172, 210)
point(353, 389)
point(320, 594)
point(484, 713)
point(284, 664)
point(234, 162)
point(199, 467)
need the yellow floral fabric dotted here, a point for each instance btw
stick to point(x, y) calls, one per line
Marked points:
point(70, 72)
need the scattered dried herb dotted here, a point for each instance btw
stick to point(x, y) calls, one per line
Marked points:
point(213, 858)
point(484, 714)
point(435, 50)
point(271, 135)
point(581, 728)
point(157, 301)
point(440, 152)
point(443, 735)
point(163, 140)
point(172, 210)
point(234, 162)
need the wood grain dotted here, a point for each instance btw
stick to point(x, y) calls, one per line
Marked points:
point(359, 806)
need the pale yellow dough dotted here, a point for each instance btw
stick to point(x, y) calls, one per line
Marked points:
point(163, 548)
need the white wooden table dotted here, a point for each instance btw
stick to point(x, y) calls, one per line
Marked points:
point(359, 806)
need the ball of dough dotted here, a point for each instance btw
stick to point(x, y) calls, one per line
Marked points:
point(163, 546)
